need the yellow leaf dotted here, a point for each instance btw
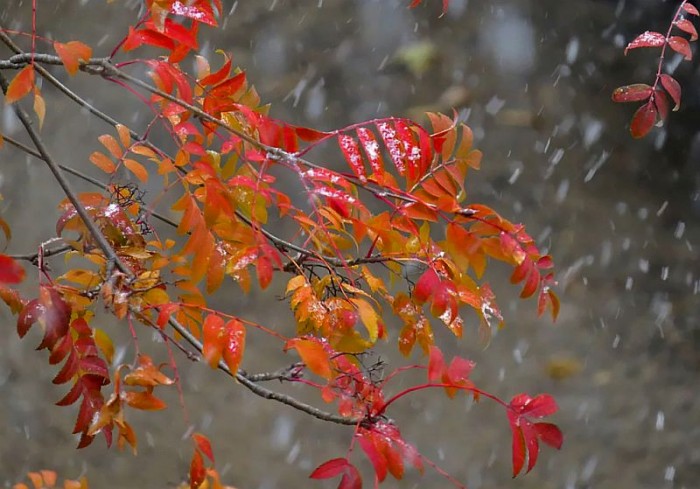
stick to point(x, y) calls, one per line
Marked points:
point(104, 343)
point(369, 317)
point(137, 169)
point(39, 107)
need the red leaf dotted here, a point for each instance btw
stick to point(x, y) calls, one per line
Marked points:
point(436, 364)
point(373, 152)
point(164, 313)
point(648, 39)
point(331, 468)
point(69, 369)
point(199, 11)
point(687, 26)
point(662, 103)
point(393, 145)
point(202, 443)
point(518, 447)
point(264, 268)
point(681, 45)
point(234, 344)
point(352, 154)
point(550, 434)
point(690, 9)
point(229, 87)
point(351, 479)
point(375, 457)
point(632, 93)
point(21, 85)
point(541, 406)
point(10, 271)
point(459, 370)
point(425, 286)
point(643, 120)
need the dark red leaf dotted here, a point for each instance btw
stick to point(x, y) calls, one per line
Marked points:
point(632, 93)
point(69, 369)
point(28, 316)
point(681, 45)
point(662, 103)
point(643, 120)
point(673, 88)
point(687, 26)
point(648, 39)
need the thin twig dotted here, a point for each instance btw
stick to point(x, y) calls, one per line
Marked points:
point(78, 174)
point(263, 392)
point(65, 185)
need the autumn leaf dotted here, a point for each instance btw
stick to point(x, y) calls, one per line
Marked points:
point(72, 53)
point(21, 85)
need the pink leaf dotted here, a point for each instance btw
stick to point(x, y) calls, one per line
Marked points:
point(541, 406)
point(436, 364)
point(687, 26)
point(649, 39)
point(681, 45)
point(690, 9)
point(643, 120)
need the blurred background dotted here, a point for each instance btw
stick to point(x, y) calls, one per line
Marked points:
point(533, 79)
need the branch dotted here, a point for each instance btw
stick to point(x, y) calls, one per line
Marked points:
point(63, 182)
point(78, 174)
point(249, 382)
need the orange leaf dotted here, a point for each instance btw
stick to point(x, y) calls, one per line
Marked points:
point(124, 135)
point(203, 445)
point(102, 161)
point(314, 356)
point(143, 400)
point(112, 145)
point(214, 339)
point(137, 169)
point(72, 53)
point(20, 85)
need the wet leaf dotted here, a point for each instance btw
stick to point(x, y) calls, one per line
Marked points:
point(643, 120)
point(632, 93)
point(72, 53)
